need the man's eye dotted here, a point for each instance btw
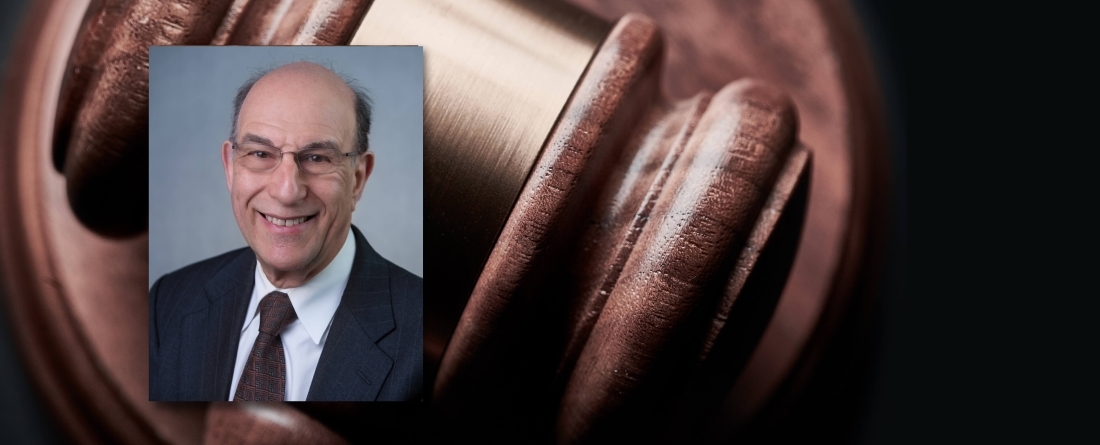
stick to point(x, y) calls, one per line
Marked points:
point(317, 159)
point(259, 154)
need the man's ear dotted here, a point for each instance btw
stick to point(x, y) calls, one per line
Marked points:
point(227, 163)
point(363, 168)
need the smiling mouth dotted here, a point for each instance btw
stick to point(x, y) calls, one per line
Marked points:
point(288, 222)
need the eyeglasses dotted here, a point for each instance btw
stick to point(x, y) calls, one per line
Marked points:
point(314, 161)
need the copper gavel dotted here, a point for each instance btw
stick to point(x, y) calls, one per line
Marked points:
point(617, 247)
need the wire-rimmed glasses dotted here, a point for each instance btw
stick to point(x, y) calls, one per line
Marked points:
point(314, 161)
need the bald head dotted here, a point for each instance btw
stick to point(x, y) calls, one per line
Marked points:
point(310, 85)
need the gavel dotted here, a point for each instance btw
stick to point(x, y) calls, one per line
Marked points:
point(628, 237)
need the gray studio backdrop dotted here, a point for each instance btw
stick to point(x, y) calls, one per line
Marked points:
point(191, 93)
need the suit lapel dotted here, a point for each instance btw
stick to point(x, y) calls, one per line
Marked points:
point(216, 328)
point(352, 366)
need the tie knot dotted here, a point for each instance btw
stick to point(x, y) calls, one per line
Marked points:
point(275, 313)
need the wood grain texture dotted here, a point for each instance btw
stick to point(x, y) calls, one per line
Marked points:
point(264, 423)
point(621, 213)
point(101, 132)
point(497, 75)
point(629, 190)
point(812, 50)
point(291, 22)
point(745, 308)
point(697, 228)
point(494, 355)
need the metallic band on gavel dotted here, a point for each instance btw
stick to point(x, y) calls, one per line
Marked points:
point(497, 76)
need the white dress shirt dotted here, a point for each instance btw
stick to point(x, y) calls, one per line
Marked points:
point(315, 303)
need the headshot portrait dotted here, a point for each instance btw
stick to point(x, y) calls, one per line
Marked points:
point(286, 223)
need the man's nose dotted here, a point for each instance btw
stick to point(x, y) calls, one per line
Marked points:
point(288, 181)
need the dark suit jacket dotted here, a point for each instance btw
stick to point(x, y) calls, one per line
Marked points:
point(374, 349)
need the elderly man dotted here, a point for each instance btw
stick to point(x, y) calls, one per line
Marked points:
point(308, 311)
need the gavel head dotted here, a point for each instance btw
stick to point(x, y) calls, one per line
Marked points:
point(621, 244)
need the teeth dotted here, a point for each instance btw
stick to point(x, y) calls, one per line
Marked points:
point(285, 222)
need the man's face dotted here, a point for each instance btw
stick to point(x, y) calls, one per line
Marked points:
point(296, 222)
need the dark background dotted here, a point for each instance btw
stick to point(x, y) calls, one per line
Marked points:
point(985, 331)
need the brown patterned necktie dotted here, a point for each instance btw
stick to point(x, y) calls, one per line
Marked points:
point(264, 376)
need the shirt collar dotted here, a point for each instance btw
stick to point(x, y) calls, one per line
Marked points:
point(316, 301)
